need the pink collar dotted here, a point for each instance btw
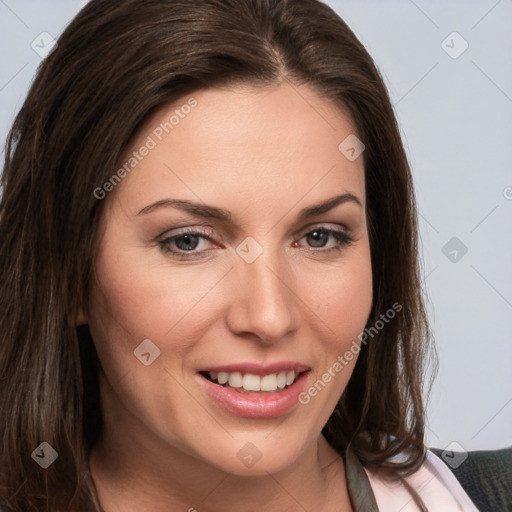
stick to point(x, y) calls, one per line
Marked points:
point(432, 488)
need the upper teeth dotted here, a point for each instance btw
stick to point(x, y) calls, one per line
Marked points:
point(251, 382)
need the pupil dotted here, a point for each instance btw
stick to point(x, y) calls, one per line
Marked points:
point(318, 238)
point(189, 239)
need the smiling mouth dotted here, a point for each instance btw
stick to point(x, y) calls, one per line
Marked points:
point(247, 383)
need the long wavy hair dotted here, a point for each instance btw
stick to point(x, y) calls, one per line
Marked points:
point(114, 65)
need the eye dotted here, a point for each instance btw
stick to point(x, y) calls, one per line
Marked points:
point(185, 244)
point(319, 237)
point(191, 244)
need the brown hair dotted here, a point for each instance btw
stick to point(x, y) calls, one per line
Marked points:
point(115, 64)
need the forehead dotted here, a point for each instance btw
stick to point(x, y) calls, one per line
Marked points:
point(243, 141)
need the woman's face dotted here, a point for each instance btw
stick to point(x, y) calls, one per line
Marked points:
point(235, 247)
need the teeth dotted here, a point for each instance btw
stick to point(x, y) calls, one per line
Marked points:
point(269, 382)
point(235, 380)
point(222, 377)
point(251, 382)
point(281, 380)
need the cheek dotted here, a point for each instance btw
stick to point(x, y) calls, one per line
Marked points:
point(136, 297)
point(341, 302)
point(350, 307)
point(341, 297)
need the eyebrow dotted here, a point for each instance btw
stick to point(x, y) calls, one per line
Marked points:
point(212, 212)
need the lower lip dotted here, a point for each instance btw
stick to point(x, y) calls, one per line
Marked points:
point(255, 405)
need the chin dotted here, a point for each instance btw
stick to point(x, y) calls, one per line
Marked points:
point(257, 457)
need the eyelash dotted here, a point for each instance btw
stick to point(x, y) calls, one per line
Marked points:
point(342, 238)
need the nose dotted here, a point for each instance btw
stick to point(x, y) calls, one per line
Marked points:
point(262, 302)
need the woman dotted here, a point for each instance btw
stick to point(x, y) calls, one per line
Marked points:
point(209, 273)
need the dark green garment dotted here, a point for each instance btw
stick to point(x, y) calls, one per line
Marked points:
point(486, 476)
point(359, 489)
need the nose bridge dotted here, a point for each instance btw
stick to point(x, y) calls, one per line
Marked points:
point(264, 304)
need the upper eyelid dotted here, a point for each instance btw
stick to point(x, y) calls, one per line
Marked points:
point(199, 228)
point(170, 233)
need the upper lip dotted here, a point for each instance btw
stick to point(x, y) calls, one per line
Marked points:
point(258, 368)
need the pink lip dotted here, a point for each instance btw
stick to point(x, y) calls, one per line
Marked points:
point(257, 368)
point(255, 405)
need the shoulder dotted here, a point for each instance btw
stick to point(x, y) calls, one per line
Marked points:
point(432, 487)
point(485, 475)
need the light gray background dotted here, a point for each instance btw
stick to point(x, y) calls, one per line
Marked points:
point(456, 118)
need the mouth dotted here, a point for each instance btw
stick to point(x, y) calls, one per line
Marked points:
point(252, 391)
point(252, 383)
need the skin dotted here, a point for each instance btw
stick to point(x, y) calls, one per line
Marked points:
point(262, 154)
